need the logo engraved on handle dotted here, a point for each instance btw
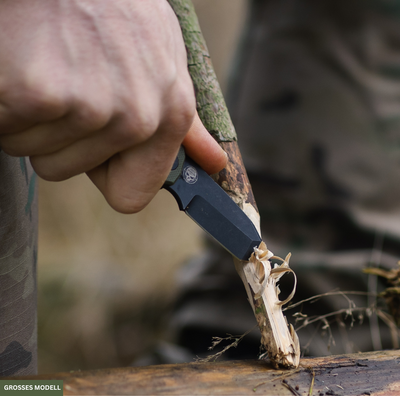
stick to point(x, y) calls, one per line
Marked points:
point(190, 175)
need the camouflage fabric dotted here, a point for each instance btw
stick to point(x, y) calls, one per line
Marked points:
point(317, 113)
point(18, 247)
point(315, 99)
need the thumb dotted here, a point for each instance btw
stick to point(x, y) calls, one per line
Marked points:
point(203, 149)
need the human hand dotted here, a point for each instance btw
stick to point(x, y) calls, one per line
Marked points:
point(99, 87)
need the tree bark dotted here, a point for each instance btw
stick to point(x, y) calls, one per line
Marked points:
point(373, 373)
point(210, 102)
point(279, 340)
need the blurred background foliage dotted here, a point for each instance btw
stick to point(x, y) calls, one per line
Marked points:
point(106, 280)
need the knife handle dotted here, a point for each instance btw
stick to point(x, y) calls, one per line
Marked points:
point(176, 169)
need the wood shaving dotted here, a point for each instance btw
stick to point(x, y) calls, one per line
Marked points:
point(261, 281)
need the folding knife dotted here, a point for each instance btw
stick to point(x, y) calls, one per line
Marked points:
point(211, 208)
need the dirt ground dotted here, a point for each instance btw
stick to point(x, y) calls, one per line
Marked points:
point(106, 280)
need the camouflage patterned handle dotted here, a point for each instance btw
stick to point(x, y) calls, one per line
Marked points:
point(176, 169)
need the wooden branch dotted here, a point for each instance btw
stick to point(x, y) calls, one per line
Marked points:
point(279, 340)
point(210, 102)
point(374, 373)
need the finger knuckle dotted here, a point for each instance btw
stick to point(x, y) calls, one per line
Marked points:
point(136, 129)
point(182, 110)
point(145, 126)
point(90, 114)
point(170, 72)
point(187, 112)
point(41, 101)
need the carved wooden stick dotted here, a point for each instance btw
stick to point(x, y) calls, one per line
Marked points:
point(280, 342)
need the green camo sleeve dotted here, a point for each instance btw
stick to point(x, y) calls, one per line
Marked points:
point(18, 248)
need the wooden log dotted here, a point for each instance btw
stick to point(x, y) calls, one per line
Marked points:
point(278, 340)
point(373, 373)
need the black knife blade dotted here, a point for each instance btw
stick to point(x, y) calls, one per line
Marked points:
point(211, 208)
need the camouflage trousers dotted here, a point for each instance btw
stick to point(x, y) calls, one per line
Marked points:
point(18, 248)
point(315, 98)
